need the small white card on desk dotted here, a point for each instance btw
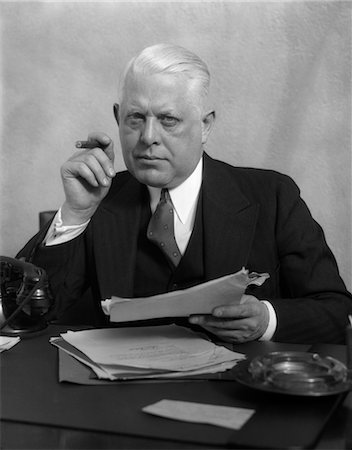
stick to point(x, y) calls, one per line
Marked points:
point(222, 416)
point(7, 342)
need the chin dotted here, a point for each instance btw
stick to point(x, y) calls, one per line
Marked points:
point(151, 178)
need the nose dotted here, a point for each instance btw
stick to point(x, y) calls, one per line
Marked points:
point(149, 133)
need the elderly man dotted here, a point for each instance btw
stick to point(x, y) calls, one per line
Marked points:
point(222, 218)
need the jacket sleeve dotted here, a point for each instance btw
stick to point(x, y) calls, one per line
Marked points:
point(315, 303)
point(66, 266)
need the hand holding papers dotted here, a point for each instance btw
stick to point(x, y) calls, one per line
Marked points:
point(200, 299)
point(146, 352)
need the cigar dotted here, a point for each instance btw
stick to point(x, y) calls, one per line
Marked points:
point(92, 143)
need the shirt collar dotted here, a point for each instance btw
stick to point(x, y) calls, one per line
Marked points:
point(184, 196)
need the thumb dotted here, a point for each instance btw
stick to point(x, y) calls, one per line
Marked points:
point(109, 149)
point(248, 299)
point(103, 141)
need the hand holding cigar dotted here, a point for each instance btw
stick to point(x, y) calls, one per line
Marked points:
point(87, 176)
point(98, 166)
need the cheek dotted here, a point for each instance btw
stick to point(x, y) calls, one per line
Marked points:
point(188, 137)
point(193, 143)
point(128, 139)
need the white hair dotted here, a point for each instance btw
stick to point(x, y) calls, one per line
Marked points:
point(169, 59)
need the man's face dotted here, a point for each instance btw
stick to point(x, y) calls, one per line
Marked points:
point(161, 129)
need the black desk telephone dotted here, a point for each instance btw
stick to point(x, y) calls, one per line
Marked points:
point(25, 297)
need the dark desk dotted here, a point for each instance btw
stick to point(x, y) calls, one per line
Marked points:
point(38, 412)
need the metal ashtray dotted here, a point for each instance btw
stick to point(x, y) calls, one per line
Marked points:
point(296, 373)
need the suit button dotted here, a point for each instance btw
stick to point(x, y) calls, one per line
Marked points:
point(174, 285)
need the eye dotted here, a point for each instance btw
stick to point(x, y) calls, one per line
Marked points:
point(134, 119)
point(169, 121)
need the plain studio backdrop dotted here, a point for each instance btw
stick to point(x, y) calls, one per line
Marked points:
point(281, 82)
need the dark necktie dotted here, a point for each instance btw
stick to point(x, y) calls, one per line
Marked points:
point(161, 228)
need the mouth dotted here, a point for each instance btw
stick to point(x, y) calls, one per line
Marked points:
point(148, 157)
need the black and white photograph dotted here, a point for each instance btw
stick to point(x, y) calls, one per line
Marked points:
point(176, 224)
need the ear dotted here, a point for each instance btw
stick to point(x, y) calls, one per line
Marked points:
point(116, 113)
point(207, 125)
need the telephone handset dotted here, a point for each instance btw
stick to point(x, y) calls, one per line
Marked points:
point(25, 297)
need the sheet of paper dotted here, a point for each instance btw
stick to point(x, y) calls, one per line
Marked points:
point(7, 342)
point(200, 299)
point(222, 416)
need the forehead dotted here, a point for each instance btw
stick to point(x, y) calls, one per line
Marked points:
point(158, 91)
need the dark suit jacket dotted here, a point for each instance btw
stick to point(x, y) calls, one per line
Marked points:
point(252, 218)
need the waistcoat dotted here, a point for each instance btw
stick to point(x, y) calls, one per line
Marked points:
point(154, 274)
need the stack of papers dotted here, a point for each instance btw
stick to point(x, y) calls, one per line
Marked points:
point(199, 299)
point(130, 353)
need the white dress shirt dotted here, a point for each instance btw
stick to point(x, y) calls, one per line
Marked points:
point(184, 199)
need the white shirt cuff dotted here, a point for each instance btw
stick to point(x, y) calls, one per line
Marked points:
point(269, 333)
point(59, 233)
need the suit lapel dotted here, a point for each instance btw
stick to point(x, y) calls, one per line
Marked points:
point(229, 221)
point(120, 218)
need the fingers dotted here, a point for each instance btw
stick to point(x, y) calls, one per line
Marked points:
point(93, 165)
point(233, 336)
point(231, 330)
point(222, 315)
point(249, 306)
point(104, 142)
point(237, 311)
point(225, 324)
point(237, 322)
